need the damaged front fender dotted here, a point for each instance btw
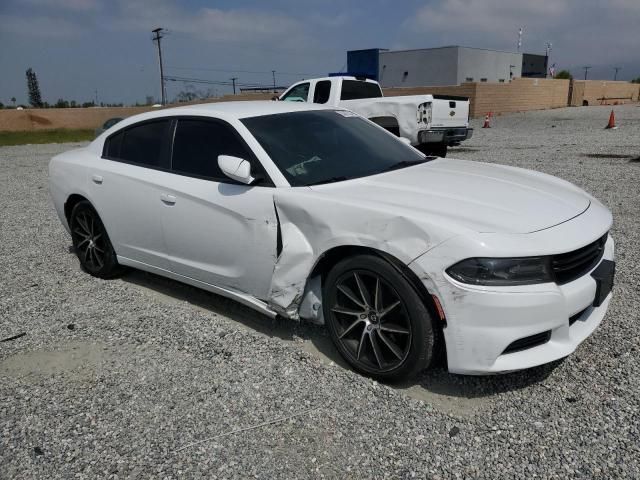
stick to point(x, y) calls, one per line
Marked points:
point(312, 224)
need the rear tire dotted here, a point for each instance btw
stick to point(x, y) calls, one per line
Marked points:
point(91, 242)
point(376, 319)
point(433, 149)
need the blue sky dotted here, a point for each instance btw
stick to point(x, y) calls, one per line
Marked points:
point(79, 46)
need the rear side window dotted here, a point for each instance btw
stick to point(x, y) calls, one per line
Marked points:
point(356, 89)
point(322, 91)
point(144, 144)
point(113, 144)
point(299, 93)
point(197, 144)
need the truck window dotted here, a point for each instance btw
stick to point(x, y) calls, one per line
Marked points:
point(356, 89)
point(299, 93)
point(322, 91)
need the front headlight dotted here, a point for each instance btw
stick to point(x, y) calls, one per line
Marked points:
point(502, 271)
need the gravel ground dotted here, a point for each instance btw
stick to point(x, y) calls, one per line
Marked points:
point(119, 379)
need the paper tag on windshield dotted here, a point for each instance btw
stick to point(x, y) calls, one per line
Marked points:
point(346, 113)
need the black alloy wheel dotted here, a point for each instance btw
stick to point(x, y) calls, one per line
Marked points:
point(91, 242)
point(376, 318)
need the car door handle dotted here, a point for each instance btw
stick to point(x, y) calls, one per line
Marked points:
point(97, 179)
point(168, 199)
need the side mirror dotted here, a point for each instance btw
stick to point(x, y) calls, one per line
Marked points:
point(406, 141)
point(237, 169)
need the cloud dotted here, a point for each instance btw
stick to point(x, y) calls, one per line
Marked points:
point(337, 20)
point(237, 26)
point(581, 32)
point(40, 27)
point(71, 5)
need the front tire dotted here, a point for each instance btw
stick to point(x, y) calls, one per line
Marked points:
point(376, 319)
point(91, 242)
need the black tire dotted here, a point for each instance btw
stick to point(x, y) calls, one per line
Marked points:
point(433, 149)
point(91, 242)
point(388, 344)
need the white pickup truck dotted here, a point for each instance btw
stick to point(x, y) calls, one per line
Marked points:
point(430, 122)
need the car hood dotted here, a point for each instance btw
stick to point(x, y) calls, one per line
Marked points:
point(479, 196)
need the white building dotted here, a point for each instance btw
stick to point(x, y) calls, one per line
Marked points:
point(438, 66)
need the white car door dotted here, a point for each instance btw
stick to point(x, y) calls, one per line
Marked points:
point(217, 231)
point(124, 188)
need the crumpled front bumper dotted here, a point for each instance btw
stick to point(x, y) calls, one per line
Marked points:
point(450, 136)
point(482, 323)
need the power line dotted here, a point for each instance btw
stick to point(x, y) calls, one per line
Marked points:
point(222, 70)
point(205, 81)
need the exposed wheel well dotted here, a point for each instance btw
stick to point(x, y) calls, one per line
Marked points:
point(334, 255)
point(71, 202)
point(388, 123)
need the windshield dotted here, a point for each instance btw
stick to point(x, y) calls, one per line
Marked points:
point(325, 146)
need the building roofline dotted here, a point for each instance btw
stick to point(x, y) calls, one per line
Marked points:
point(368, 50)
point(451, 46)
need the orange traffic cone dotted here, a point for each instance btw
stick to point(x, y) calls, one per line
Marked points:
point(487, 121)
point(612, 121)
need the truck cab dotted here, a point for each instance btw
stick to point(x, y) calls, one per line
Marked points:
point(430, 122)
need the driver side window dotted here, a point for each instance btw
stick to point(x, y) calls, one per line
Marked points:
point(299, 93)
point(197, 144)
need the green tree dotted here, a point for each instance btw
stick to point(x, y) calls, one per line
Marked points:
point(636, 80)
point(35, 98)
point(564, 75)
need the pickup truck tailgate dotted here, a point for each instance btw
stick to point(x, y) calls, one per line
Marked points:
point(449, 111)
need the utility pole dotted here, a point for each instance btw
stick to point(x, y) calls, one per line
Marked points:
point(586, 69)
point(273, 72)
point(96, 103)
point(233, 79)
point(156, 38)
point(615, 76)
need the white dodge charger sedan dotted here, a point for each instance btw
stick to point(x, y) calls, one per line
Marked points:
point(316, 213)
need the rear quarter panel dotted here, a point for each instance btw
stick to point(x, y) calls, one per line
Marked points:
point(68, 175)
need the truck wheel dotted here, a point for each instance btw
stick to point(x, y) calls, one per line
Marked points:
point(433, 149)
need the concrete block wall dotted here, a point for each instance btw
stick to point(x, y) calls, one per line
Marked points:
point(603, 92)
point(519, 95)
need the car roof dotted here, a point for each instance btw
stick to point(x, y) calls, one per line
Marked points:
point(228, 111)
point(238, 110)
